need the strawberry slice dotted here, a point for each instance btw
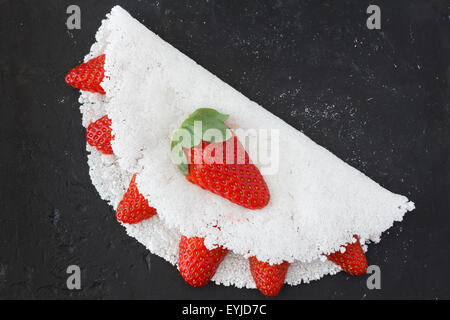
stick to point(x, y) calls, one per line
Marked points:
point(198, 264)
point(98, 134)
point(353, 260)
point(211, 156)
point(88, 75)
point(134, 208)
point(269, 278)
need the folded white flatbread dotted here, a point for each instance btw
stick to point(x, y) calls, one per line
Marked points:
point(318, 202)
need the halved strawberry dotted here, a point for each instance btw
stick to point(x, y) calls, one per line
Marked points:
point(198, 264)
point(212, 157)
point(88, 75)
point(353, 260)
point(269, 278)
point(134, 208)
point(98, 134)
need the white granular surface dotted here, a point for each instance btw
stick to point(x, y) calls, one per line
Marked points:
point(318, 202)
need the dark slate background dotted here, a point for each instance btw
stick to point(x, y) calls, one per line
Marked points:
point(378, 99)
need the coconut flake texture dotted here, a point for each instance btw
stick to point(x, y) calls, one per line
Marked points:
point(318, 202)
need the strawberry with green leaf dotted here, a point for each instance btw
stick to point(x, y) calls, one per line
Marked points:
point(208, 153)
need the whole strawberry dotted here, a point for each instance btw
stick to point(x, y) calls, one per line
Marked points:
point(88, 76)
point(269, 278)
point(198, 264)
point(98, 135)
point(353, 260)
point(133, 207)
point(218, 163)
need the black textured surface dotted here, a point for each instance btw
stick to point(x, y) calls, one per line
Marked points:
point(378, 99)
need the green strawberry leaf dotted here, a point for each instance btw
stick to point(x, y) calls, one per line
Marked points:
point(203, 124)
point(208, 113)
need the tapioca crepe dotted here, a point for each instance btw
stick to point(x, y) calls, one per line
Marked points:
point(317, 201)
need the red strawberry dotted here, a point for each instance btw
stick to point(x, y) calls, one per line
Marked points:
point(134, 207)
point(98, 135)
point(197, 264)
point(88, 76)
point(353, 260)
point(269, 278)
point(219, 164)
